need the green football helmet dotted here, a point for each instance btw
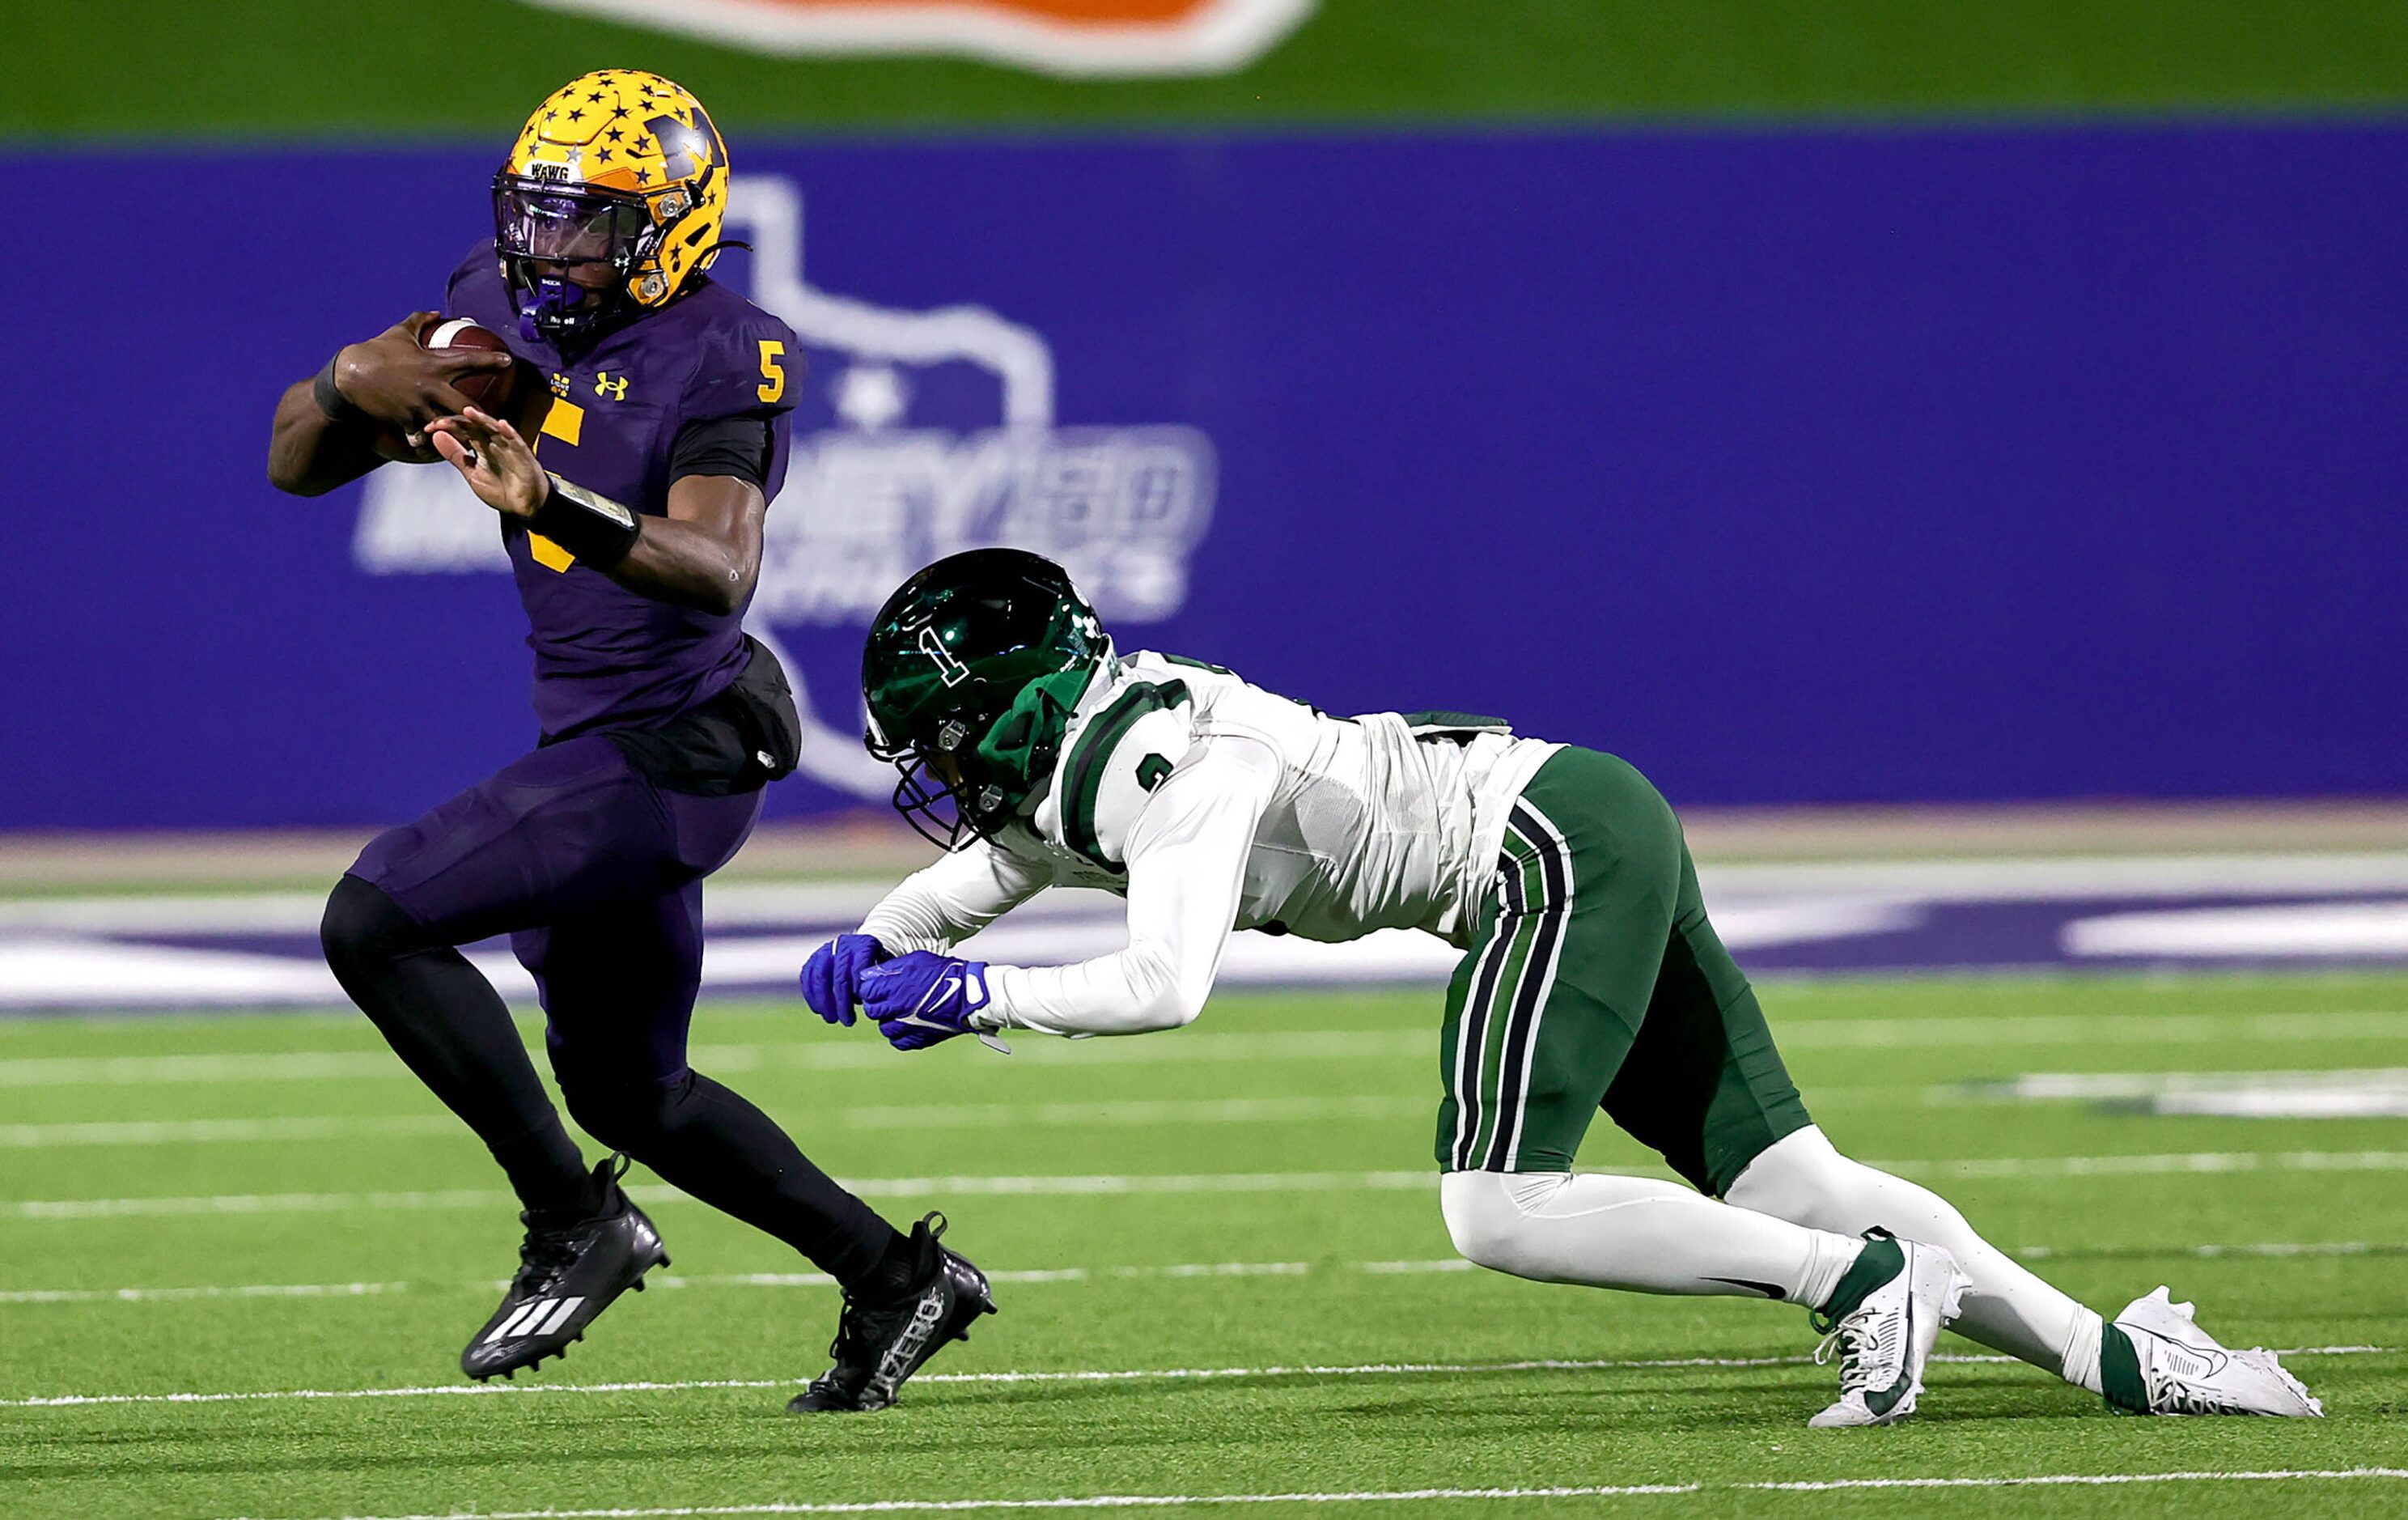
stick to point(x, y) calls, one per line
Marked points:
point(973, 670)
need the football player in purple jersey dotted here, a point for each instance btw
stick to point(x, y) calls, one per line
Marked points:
point(630, 492)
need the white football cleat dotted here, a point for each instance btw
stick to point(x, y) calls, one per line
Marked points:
point(2186, 1370)
point(1885, 1341)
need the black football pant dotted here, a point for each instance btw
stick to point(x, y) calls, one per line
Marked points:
point(596, 874)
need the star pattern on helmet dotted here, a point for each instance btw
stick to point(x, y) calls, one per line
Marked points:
point(576, 115)
point(643, 176)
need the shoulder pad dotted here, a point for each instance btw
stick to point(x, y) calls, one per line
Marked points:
point(751, 361)
point(1115, 761)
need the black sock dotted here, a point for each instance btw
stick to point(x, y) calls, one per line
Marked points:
point(895, 1275)
point(716, 1146)
point(533, 1164)
point(449, 1026)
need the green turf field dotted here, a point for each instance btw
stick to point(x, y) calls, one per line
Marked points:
point(296, 70)
point(1220, 1263)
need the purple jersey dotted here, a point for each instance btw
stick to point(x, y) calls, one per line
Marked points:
point(605, 656)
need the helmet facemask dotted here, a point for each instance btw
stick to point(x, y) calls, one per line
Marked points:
point(541, 230)
point(962, 780)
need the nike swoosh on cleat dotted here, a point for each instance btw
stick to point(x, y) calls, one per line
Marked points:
point(1765, 1288)
point(1883, 1402)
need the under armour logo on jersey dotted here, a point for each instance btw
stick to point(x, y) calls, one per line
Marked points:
point(615, 389)
point(538, 1316)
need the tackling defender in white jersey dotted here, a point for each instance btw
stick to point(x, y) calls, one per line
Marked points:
point(1039, 755)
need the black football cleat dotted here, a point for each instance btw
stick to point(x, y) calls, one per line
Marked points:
point(878, 1346)
point(570, 1271)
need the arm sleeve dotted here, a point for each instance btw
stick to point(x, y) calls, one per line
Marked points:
point(1186, 858)
point(737, 445)
point(944, 904)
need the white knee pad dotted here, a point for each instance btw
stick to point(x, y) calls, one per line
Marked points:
point(1801, 1176)
point(1486, 1214)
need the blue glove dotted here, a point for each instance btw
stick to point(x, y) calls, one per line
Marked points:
point(832, 977)
point(923, 998)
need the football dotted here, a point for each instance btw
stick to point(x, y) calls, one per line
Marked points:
point(489, 389)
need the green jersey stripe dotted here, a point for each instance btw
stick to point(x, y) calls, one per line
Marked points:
point(1082, 771)
point(1481, 1087)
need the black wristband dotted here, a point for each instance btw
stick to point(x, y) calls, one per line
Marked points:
point(595, 529)
point(338, 407)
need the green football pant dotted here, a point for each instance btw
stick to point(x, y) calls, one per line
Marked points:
point(1596, 982)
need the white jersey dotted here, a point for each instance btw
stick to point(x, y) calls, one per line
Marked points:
point(1212, 806)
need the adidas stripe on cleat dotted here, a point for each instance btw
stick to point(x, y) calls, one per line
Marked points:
point(2163, 1363)
point(570, 1271)
point(1884, 1320)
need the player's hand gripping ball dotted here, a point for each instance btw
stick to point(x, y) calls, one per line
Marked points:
point(491, 388)
point(404, 378)
point(832, 977)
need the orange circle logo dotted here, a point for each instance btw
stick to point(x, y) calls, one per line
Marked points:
point(1091, 38)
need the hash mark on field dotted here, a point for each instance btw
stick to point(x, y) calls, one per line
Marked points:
point(1173, 1374)
point(1407, 1496)
point(1197, 1183)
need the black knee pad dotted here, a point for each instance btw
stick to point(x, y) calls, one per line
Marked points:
point(624, 1116)
point(363, 926)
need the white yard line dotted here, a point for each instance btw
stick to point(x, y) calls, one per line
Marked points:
point(2145, 1166)
point(906, 1187)
point(831, 1051)
point(223, 1131)
point(839, 1050)
point(249, 1290)
point(1171, 1375)
point(2083, 1480)
point(1178, 1270)
point(1133, 1184)
point(2010, 1030)
point(887, 1116)
point(1095, 1501)
point(1406, 1496)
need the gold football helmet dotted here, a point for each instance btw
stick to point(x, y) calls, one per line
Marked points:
point(619, 170)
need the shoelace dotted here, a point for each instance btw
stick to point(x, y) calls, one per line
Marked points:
point(859, 1325)
point(1858, 1338)
point(2188, 1401)
point(543, 1256)
point(549, 1249)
